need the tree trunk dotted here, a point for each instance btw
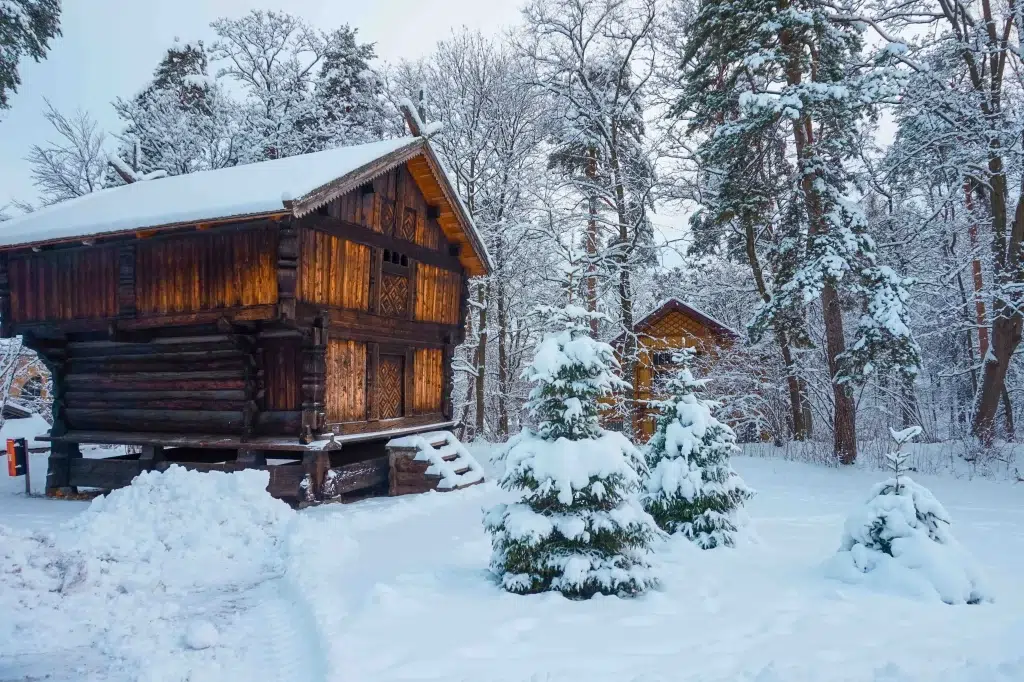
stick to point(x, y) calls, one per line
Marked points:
point(591, 245)
point(629, 348)
point(799, 406)
point(503, 379)
point(845, 416)
point(481, 360)
point(1006, 335)
point(845, 421)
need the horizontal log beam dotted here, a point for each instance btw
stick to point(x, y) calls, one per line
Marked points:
point(361, 235)
point(360, 475)
point(150, 321)
point(155, 420)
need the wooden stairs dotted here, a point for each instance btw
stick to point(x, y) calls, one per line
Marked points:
point(430, 461)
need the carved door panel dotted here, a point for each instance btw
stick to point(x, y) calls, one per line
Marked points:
point(391, 386)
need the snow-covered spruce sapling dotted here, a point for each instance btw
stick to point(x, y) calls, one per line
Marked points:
point(579, 527)
point(901, 537)
point(692, 489)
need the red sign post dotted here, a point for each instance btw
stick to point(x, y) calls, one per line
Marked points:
point(17, 461)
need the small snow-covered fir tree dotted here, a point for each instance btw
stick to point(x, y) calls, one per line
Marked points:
point(692, 489)
point(579, 527)
point(901, 539)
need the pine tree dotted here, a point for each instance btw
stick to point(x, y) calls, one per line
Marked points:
point(26, 28)
point(692, 489)
point(902, 535)
point(183, 121)
point(579, 528)
point(757, 67)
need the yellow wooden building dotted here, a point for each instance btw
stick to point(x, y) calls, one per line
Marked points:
point(672, 325)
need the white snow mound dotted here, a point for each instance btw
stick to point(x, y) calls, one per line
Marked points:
point(923, 558)
point(183, 528)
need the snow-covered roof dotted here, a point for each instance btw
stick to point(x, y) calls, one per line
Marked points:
point(296, 184)
point(674, 303)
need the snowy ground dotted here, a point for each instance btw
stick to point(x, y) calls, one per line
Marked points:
point(191, 587)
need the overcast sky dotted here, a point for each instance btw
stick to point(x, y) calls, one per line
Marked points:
point(110, 47)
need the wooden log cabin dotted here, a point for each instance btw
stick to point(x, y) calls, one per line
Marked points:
point(671, 326)
point(302, 310)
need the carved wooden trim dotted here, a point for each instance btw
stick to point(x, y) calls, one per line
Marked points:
point(376, 265)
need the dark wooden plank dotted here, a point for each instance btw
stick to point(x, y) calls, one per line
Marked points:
point(156, 420)
point(360, 475)
point(384, 425)
point(284, 480)
point(106, 474)
point(132, 384)
point(168, 404)
point(113, 394)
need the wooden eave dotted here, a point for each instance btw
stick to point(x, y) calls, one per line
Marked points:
point(142, 232)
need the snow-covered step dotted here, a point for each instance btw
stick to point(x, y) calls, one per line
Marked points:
point(430, 461)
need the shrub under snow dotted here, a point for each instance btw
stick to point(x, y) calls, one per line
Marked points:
point(578, 528)
point(692, 489)
point(901, 540)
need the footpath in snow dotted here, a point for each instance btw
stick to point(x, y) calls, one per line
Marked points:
point(186, 577)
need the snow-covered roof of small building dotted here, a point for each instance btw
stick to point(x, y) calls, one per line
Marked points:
point(294, 185)
point(675, 304)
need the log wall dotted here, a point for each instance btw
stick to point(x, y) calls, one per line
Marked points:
point(346, 381)
point(428, 380)
point(437, 294)
point(333, 271)
point(189, 384)
point(219, 269)
point(64, 285)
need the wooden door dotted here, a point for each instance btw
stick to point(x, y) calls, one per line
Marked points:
point(391, 386)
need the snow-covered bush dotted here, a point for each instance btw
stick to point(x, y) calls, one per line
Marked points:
point(900, 539)
point(579, 527)
point(692, 489)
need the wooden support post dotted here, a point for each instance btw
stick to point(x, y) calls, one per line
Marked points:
point(376, 268)
point(314, 378)
point(315, 465)
point(58, 471)
point(372, 363)
point(447, 357)
point(287, 269)
point(252, 458)
point(409, 390)
point(411, 305)
point(150, 457)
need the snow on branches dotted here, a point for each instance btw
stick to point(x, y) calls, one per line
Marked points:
point(901, 540)
point(692, 489)
point(578, 528)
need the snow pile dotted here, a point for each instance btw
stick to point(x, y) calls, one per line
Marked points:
point(439, 466)
point(171, 527)
point(900, 540)
point(119, 577)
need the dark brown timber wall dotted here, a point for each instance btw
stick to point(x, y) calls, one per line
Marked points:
point(185, 384)
point(64, 285)
point(220, 269)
